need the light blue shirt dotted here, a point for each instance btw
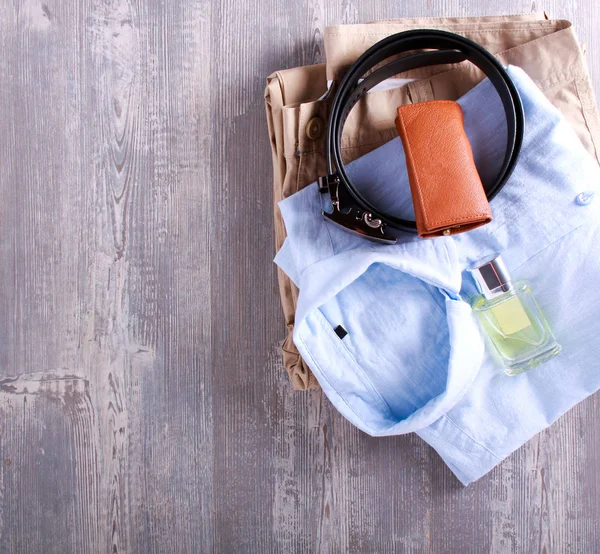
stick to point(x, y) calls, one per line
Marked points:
point(414, 358)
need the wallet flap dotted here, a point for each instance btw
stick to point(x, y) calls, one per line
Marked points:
point(447, 192)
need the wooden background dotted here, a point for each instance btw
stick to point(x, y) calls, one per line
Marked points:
point(143, 406)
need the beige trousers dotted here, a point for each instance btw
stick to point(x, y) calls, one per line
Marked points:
point(546, 49)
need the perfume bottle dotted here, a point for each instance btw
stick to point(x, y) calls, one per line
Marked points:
point(511, 317)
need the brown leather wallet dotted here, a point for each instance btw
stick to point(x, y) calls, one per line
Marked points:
point(446, 189)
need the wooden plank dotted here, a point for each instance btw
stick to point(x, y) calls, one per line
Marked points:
point(151, 322)
point(49, 487)
point(107, 247)
point(50, 441)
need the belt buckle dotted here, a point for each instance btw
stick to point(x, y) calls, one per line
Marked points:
point(355, 220)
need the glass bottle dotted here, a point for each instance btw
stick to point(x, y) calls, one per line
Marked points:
point(511, 317)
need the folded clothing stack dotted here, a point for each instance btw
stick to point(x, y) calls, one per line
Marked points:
point(411, 356)
point(297, 107)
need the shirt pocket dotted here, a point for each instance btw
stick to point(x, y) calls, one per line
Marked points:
point(389, 340)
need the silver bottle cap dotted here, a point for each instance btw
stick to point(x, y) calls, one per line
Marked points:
point(492, 276)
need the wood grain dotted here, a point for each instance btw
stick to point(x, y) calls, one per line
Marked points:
point(143, 406)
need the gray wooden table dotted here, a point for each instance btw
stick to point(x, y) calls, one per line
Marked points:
point(143, 406)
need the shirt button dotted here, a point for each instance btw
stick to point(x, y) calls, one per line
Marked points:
point(314, 128)
point(584, 198)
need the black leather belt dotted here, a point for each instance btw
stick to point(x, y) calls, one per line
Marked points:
point(350, 209)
